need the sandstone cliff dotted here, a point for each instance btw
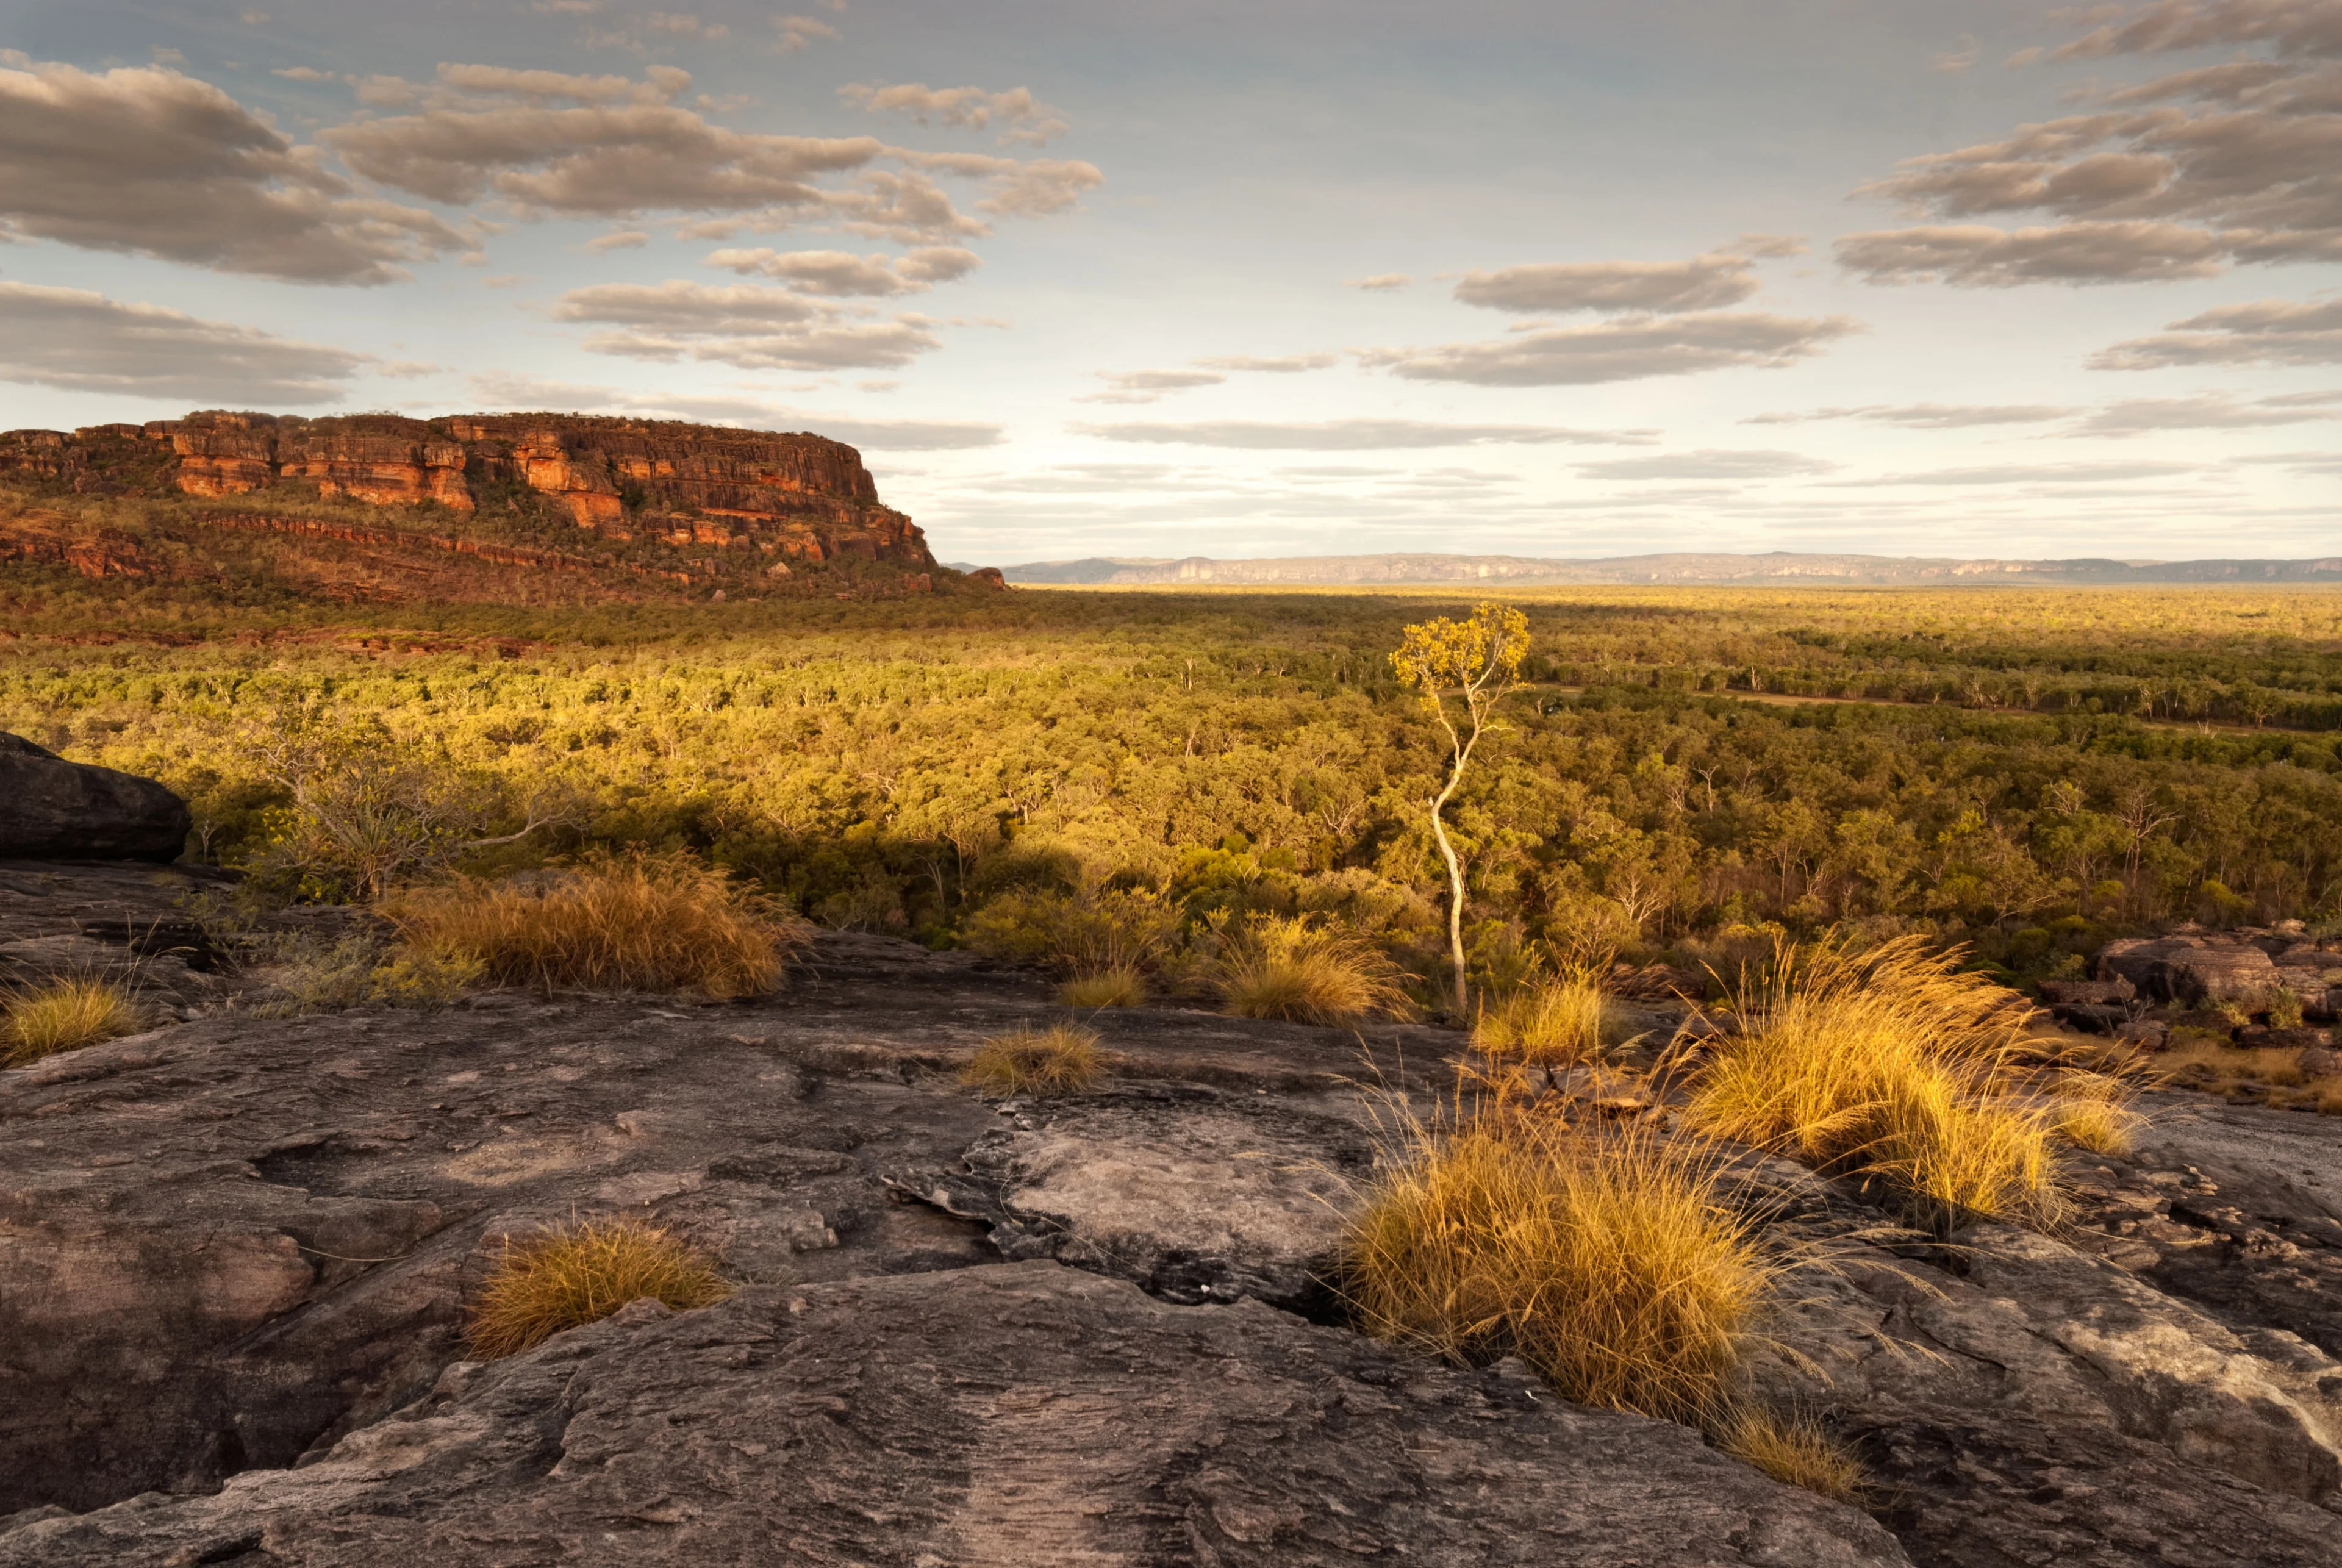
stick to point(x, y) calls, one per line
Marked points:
point(802, 495)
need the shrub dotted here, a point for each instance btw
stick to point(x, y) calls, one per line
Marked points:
point(359, 968)
point(1603, 1261)
point(1288, 967)
point(1062, 1059)
point(1123, 986)
point(63, 1016)
point(1559, 1024)
point(581, 1274)
point(1075, 932)
point(1894, 1065)
point(640, 923)
point(1792, 1449)
point(2285, 1009)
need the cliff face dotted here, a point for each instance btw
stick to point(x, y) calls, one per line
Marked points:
point(801, 496)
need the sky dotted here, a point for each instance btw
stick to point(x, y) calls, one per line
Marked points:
point(1158, 279)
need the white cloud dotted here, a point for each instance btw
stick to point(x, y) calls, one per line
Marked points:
point(1022, 116)
point(2207, 411)
point(407, 369)
point(2027, 474)
point(82, 340)
point(1707, 465)
point(156, 163)
point(1927, 415)
point(1271, 364)
point(1980, 255)
point(2263, 332)
point(621, 240)
point(1357, 434)
point(1149, 385)
point(1625, 349)
point(797, 33)
point(1377, 282)
point(739, 324)
point(842, 272)
point(1707, 282)
point(508, 391)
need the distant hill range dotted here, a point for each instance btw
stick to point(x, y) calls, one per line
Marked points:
point(1780, 567)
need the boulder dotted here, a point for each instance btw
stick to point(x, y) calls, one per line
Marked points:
point(2087, 992)
point(59, 810)
point(2091, 1019)
point(2238, 973)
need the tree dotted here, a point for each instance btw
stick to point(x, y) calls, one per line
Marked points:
point(1463, 669)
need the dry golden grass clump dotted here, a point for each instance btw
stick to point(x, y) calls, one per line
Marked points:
point(1121, 985)
point(645, 923)
point(1554, 1024)
point(1290, 967)
point(581, 1274)
point(1602, 1261)
point(1892, 1064)
point(1062, 1059)
point(2093, 1113)
point(62, 1015)
point(1794, 1450)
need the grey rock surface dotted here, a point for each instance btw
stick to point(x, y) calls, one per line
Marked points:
point(52, 809)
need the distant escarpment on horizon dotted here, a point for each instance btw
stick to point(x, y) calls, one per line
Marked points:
point(378, 505)
point(1775, 568)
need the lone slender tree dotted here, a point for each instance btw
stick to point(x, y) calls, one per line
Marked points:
point(1463, 670)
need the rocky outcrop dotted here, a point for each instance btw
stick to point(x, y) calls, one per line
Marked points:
point(59, 810)
point(796, 495)
point(2194, 968)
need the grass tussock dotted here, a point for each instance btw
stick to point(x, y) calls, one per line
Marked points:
point(1794, 1450)
point(1062, 1059)
point(1894, 1065)
point(64, 1015)
point(1554, 1024)
point(581, 1274)
point(2094, 1115)
point(1120, 986)
point(639, 923)
point(1602, 1261)
point(1291, 968)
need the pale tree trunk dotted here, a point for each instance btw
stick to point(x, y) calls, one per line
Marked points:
point(1455, 887)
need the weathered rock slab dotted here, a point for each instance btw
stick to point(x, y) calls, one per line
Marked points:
point(60, 810)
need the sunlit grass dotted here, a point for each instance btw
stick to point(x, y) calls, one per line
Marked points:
point(1062, 1059)
point(1554, 1024)
point(63, 1015)
point(1292, 968)
point(580, 1274)
point(1121, 987)
point(1794, 1449)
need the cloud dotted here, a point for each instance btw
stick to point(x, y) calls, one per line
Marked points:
point(407, 369)
point(1927, 415)
point(1149, 385)
point(1272, 363)
point(525, 393)
point(2206, 411)
point(1952, 62)
point(1707, 465)
point(1377, 281)
point(799, 33)
point(2175, 177)
point(682, 25)
point(1357, 434)
point(623, 240)
point(1022, 116)
point(1979, 255)
point(156, 163)
point(1626, 349)
point(1703, 283)
point(738, 324)
point(2263, 332)
point(842, 272)
point(2027, 474)
point(82, 340)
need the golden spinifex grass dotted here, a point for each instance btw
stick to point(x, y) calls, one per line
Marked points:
point(1121, 985)
point(1794, 1449)
point(636, 922)
point(1062, 1059)
point(1556, 1023)
point(62, 1015)
point(1895, 1065)
point(1293, 968)
point(581, 1274)
point(1603, 1260)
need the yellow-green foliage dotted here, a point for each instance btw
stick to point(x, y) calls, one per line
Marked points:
point(62, 1015)
point(635, 924)
point(580, 1274)
point(1123, 986)
point(1792, 1449)
point(1894, 1064)
point(1062, 1059)
point(1293, 968)
point(1604, 1262)
point(1553, 1025)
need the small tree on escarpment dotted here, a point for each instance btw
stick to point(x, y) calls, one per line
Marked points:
point(1463, 670)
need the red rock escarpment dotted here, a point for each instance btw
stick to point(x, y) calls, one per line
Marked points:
point(801, 494)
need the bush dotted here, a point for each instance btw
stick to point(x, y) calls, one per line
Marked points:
point(642, 924)
point(62, 1015)
point(1603, 1261)
point(581, 1274)
point(1559, 1024)
point(1075, 932)
point(1894, 1065)
point(1794, 1450)
point(1120, 987)
point(1286, 967)
point(1062, 1059)
point(359, 968)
